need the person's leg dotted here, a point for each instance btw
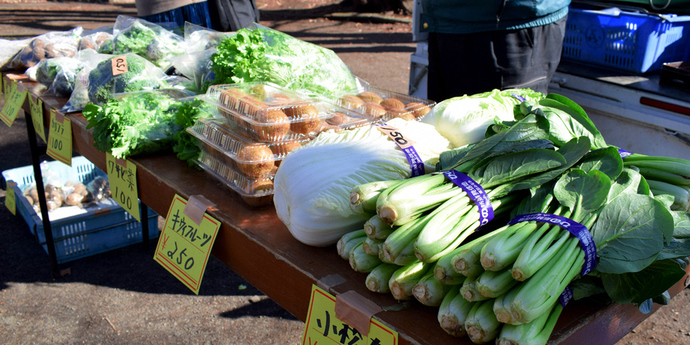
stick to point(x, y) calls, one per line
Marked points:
point(460, 64)
point(528, 58)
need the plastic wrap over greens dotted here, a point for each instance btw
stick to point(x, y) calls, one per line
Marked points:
point(146, 39)
point(79, 96)
point(199, 38)
point(141, 75)
point(260, 54)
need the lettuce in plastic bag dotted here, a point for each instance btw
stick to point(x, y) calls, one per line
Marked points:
point(260, 54)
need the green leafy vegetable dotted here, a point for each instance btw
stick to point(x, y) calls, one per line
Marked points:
point(185, 145)
point(464, 120)
point(140, 75)
point(266, 55)
point(136, 123)
point(148, 40)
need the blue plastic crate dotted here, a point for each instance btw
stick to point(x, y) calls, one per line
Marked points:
point(96, 231)
point(630, 41)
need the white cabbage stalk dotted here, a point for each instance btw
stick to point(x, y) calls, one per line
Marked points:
point(463, 120)
point(312, 186)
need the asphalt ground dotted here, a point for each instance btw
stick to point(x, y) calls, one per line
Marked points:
point(123, 296)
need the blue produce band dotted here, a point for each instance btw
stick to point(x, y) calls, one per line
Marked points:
point(407, 146)
point(566, 296)
point(518, 97)
point(416, 163)
point(578, 230)
point(624, 153)
point(475, 192)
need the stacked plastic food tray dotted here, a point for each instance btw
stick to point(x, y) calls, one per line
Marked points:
point(257, 125)
point(379, 105)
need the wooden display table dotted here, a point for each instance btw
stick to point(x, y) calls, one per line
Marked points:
point(255, 244)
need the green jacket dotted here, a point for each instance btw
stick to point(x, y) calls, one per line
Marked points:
point(470, 16)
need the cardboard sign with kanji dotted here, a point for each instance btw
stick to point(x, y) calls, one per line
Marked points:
point(13, 104)
point(122, 176)
point(60, 138)
point(37, 117)
point(185, 243)
point(323, 328)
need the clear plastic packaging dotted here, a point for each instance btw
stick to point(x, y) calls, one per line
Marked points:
point(95, 39)
point(149, 40)
point(239, 148)
point(382, 105)
point(47, 46)
point(266, 113)
point(222, 165)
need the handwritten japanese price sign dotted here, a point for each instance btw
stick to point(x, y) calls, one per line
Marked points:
point(185, 243)
point(122, 176)
point(10, 201)
point(7, 88)
point(37, 117)
point(322, 327)
point(13, 104)
point(60, 138)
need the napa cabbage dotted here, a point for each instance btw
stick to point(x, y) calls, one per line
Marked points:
point(463, 120)
point(313, 184)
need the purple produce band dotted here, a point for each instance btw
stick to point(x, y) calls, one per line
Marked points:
point(575, 228)
point(475, 192)
point(416, 163)
point(413, 158)
point(624, 153)
point(566, 296)
point(518, 97)
point(578, 230)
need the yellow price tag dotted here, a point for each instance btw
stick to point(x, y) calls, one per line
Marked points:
point(122, 176)
point(185, 242)
point(323, 328)
point(60, 138)
point(10, 201)
point(37, 117)
point(13, 104)
point(8, 88)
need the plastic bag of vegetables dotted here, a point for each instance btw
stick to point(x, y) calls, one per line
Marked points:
point(59, 74)
point(46, 46)
point(146, 39)
point(463, 120)
point(312, 186)
point(261, 54)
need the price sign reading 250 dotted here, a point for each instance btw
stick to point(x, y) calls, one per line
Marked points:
point(185, 243)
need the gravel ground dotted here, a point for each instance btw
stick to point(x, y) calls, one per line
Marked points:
point(123, 296)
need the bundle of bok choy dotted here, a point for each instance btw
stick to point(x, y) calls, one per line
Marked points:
point(582, 221)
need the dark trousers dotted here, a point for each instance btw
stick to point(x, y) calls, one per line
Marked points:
point(232, 15)
point(461, 64)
